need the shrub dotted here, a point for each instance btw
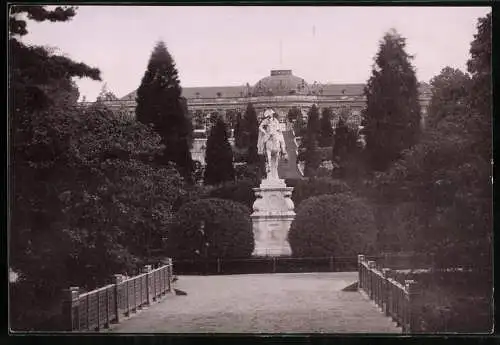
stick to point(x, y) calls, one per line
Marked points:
point(239, 191)
point(227, 230)
point(307, 188)
point(332, 225)
point(244, 171)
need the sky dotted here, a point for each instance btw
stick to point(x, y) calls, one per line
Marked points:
point(235, 45)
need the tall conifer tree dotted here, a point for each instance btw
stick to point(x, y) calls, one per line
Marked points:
point(252, 130)
point(239, 135)
point(219, 155)
point(159, 103)
point(393, 111)
point(311, 154)
point(325, 128)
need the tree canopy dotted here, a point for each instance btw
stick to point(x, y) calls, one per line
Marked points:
point(160, 104)
point(325, 128)
point(219, 155)
point(251, 125)
point(393, 109)
point(446, 178)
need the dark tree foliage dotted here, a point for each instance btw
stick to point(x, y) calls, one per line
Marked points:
point(239, 132)
point(480, 100)
point(311, 154)
point(306, 188)
point(313, 124)
point(325, 128)
point(219, 156)
point(346, 149)
point(293, 114)
point(446, 178)
point(332, 225)
point(160, 104)
point(393, 110)
point(252, 132)
point(239, 191)
point(226, 228)
point(34, 72)
point(299, 126)
point(105, 95)
point(85, 200)
point(449, 91)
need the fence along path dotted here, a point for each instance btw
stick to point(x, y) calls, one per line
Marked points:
point(97, 309)
point(263, 303)
point(395, 299)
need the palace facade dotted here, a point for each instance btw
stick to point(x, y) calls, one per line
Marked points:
point(281, 91)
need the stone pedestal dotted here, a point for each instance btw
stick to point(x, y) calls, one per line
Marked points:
point(273, 214)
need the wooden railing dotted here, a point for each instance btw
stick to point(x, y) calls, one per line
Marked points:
point(97, 309)
point(395, 299)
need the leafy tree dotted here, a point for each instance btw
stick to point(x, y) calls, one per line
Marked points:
point(106, 95)
point(159, 103)
point(480, 100)
point(222, 224)
point(252, 133)
point(332, 225)
point(393, 110)
point(219, 155)
point(42, 95)
point(446, 177)
point(97, 208)
point(35, 72)
point(86, 200)
point(325, 128)
point(449, 91)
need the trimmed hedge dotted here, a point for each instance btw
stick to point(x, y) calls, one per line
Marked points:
point(239, 191)
point(306, 188)
point(227, 230)
point(332, 225)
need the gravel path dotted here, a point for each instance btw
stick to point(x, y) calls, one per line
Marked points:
point(262, 303)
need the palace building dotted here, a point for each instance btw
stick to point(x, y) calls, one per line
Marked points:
point(281, 90)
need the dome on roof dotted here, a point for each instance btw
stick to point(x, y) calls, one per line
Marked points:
point(281, 82)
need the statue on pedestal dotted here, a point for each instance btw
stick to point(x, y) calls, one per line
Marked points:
point(271, 143)
point(273, 207)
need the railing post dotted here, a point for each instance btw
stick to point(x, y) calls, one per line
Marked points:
point(274, 264)
point(331, 263)
point(361, 283)
point(170, 271)
point(70, 309)
point(387, 289)
point(106, 325)
point(118, 279)
point(371, 266)
point(412, 317)
point(88, 311)
point(146, 269)
point(218, 266)
point(98, 293)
